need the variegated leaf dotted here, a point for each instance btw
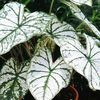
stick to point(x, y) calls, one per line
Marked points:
point(78, 13)
point(45, 78)
point(84, 61)
point(17, 27)
point(13, 80)
point(59, 31)
point(80, 2)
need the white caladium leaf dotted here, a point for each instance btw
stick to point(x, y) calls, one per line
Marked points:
point(17, 26)
point(84, 61)
point(80, 2)
point(78, 13)
point(13, 80)
point(59, 31)
point(45, 78)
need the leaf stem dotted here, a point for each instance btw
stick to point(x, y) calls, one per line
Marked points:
point(75, 92)
point(51, 6)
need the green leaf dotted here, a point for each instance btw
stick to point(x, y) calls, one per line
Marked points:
point(13, 80)
point(59, 31)
point(78, 13)
point(84, 61)
point(17, 26)
point(45, 78)
point(25, 1)
point(80, 2)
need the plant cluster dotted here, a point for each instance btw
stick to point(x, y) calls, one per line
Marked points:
point(41, 73)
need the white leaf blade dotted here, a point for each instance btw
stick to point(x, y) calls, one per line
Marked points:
point(46, 79)
point(85, 62)
point(80, 2)
point(16, 26)
point(94, 52)
point(71, 52)
point(59, 31)
point(13, 81)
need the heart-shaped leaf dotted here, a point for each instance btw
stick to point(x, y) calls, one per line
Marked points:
point(78, 13)
point(17, 26)
point(59, 31)
point(13, 80)
point(84, 61)
point(80, 2)
point(45, 78)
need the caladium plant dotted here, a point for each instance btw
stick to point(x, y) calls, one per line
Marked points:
point(43, 76)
